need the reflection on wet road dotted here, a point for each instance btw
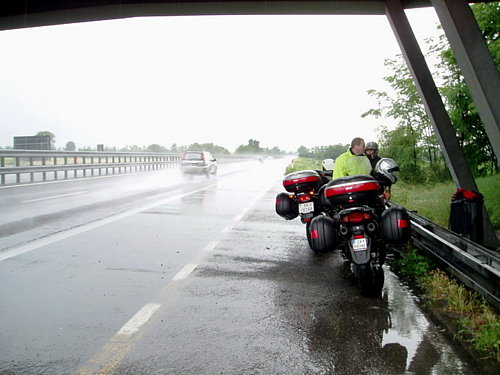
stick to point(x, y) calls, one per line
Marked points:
point(211, 282)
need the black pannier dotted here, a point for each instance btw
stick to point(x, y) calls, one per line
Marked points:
point(286, 207)
point(466, 214)
point(395, 225)
point(302, 181)
point(322, 235)
point(352, 191)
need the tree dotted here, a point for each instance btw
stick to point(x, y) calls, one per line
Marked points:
point(253, 147)
point(52, 138)
point(414, 129)
point(210, 147)
point(470, 131)
point(405, 106)
point(322, 152)
point(70, 146)
point(156, 148)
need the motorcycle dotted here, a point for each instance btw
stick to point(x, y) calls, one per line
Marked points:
point(302, 198)
point(356, 220)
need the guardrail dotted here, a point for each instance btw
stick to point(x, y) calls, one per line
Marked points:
point(31, 166)
point(28, 166)
point(475, 266)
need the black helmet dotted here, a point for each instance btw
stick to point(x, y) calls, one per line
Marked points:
point(388, 167)
point(372, 146)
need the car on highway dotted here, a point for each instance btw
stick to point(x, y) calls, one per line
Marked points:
point(198, 162)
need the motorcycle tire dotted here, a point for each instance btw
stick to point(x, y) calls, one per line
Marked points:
point(371, 279)
point(308, 234)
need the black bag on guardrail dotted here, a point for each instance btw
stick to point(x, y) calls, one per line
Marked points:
point(466, 214)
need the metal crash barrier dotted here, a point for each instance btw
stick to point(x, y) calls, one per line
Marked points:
point(26, 166)
point(474, 265)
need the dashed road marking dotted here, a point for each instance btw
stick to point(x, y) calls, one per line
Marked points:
point(87, 227)
point(139, 319)
point(210, 246)
point(185, 272)
point(115, 351)
point(54, 197)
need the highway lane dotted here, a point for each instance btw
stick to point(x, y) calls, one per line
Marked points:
point(37, 210)
point(206, 279)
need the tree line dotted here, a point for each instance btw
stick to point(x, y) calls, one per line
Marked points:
point(252, 148)
point(413, 143)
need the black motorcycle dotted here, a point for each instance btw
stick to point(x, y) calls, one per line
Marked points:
point(356, 220)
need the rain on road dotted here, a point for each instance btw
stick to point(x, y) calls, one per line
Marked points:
point(151, 274)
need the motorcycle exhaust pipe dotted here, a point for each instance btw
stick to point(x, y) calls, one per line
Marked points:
point(371, 227)
point(343, 230)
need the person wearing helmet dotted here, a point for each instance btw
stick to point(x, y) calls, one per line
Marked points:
point(372, 153)
point(353, 161)
point(327, 164)
point(386, 173)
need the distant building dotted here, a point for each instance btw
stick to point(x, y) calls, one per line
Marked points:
point(33, 142)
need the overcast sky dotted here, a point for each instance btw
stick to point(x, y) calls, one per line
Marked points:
point(286, 81)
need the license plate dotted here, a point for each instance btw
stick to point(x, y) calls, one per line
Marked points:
point(305, 208)
point(359, 244)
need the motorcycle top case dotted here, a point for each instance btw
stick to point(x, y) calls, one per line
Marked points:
point(352, 191)
point(301, 181)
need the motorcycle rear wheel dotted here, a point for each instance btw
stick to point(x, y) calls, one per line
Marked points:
point(371, 279)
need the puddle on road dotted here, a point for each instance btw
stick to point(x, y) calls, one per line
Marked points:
point(345, 333)
point(428, 351)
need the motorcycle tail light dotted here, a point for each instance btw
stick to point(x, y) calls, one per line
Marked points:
point(358, 236)
point(304, 198)
point(353, 217)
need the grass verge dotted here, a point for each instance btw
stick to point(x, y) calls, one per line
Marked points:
point(433, 201)
point(473, 321)
point(300, 164)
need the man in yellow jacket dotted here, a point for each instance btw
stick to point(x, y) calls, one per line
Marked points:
point(353, 161)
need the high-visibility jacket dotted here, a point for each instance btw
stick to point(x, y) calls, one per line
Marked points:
point(348, 164)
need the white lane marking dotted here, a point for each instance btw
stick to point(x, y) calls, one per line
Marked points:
point(210, 246)
point(185, 272)
point(139, 319)
point(68, 180)
point(54, 197)
point(86, 227)
point(163, 194)
point(227, 229)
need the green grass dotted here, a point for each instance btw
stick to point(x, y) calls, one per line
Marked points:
point(300, 164)
point(433, 201)
point(478, 323)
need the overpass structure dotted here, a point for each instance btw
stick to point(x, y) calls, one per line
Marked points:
point(456, 18)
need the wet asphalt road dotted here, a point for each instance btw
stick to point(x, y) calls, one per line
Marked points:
point(197, 278)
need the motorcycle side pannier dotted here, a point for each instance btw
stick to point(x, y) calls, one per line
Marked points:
point(352, 191)
point(302, 181)
point(395, 225)
point(322, 234)
point(286, 207)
